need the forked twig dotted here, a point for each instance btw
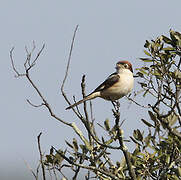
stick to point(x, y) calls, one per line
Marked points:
point(28, 67)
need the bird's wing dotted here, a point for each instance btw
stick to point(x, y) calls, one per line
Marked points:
point(110, 81)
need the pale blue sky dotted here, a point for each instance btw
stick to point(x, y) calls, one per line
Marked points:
point(108, 31)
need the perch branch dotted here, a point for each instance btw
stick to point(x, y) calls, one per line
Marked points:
point(41, 157)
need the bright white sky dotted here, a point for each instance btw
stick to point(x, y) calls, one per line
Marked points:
point(108, 31)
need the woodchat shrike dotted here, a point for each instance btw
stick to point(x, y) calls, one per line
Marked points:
point(115, 86)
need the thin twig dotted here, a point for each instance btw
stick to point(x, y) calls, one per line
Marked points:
point(66, 73)
point(27, 69)
point(45, 101)
point(84, 95)
point(41, 157)
point(34, 104)
point(13, 66)
point(31, 170)
point(77, 170)
point(68, 64)
point(137, 102)
point(54, 172)
point(87, 123)
point(37, 56)
point(69, 58)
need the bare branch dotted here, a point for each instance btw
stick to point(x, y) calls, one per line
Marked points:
point(45, 101)
point(34, 104)
point(116, 114)
point(41, 156)
point(68, 64)
point(83, 94)
point(66, 74)
point(13, 66)
point(36, 58)
point(31, 170)
point(27, 75)
point(29, 54)
point(137, 102)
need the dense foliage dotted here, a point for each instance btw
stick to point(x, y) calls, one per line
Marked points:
point(157, 152)
point(157, 155)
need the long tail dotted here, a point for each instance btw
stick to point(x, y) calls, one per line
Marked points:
point(89, 97)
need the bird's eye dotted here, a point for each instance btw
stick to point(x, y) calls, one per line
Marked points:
point(126, 65)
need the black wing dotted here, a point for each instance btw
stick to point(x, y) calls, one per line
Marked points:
point(112, 79)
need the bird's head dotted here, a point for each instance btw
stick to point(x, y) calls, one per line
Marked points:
point(120, 65)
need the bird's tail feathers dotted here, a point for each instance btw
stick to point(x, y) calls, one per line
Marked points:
point(89, 97)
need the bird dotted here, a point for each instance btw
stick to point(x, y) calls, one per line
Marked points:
point(117, 85)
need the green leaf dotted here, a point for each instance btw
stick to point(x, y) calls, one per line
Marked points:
point(172, 119)
point(168, 49)
point(147, 53)
point(136, 151)
point(107, 124)
point(147, 140)
point(143, 72)
point(134, 140)
point(146, 59)
point(84, 149)
point(168, 159)
point(147, 43)
point(179, 171)
point(177, 74)
point(166, 39)
point(139, 177)
point(145, 92)
point(143, 84)
point(147, 123)
point(172, 35)
point(76, 147)
point(109, 142)
point(57, 158)
point(152, 116)
point(140, 74)
point(69, 144)
point(137, 135)
point(80, 134)
point(51, 150)
point(146, 68)
point(174, 177)
point(103, 140)
point(156, 73)
point(176, 37)
point(49, 159)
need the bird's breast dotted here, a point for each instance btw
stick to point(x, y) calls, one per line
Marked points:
point(120, 88)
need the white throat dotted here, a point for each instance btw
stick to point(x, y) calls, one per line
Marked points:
point(124, 71)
